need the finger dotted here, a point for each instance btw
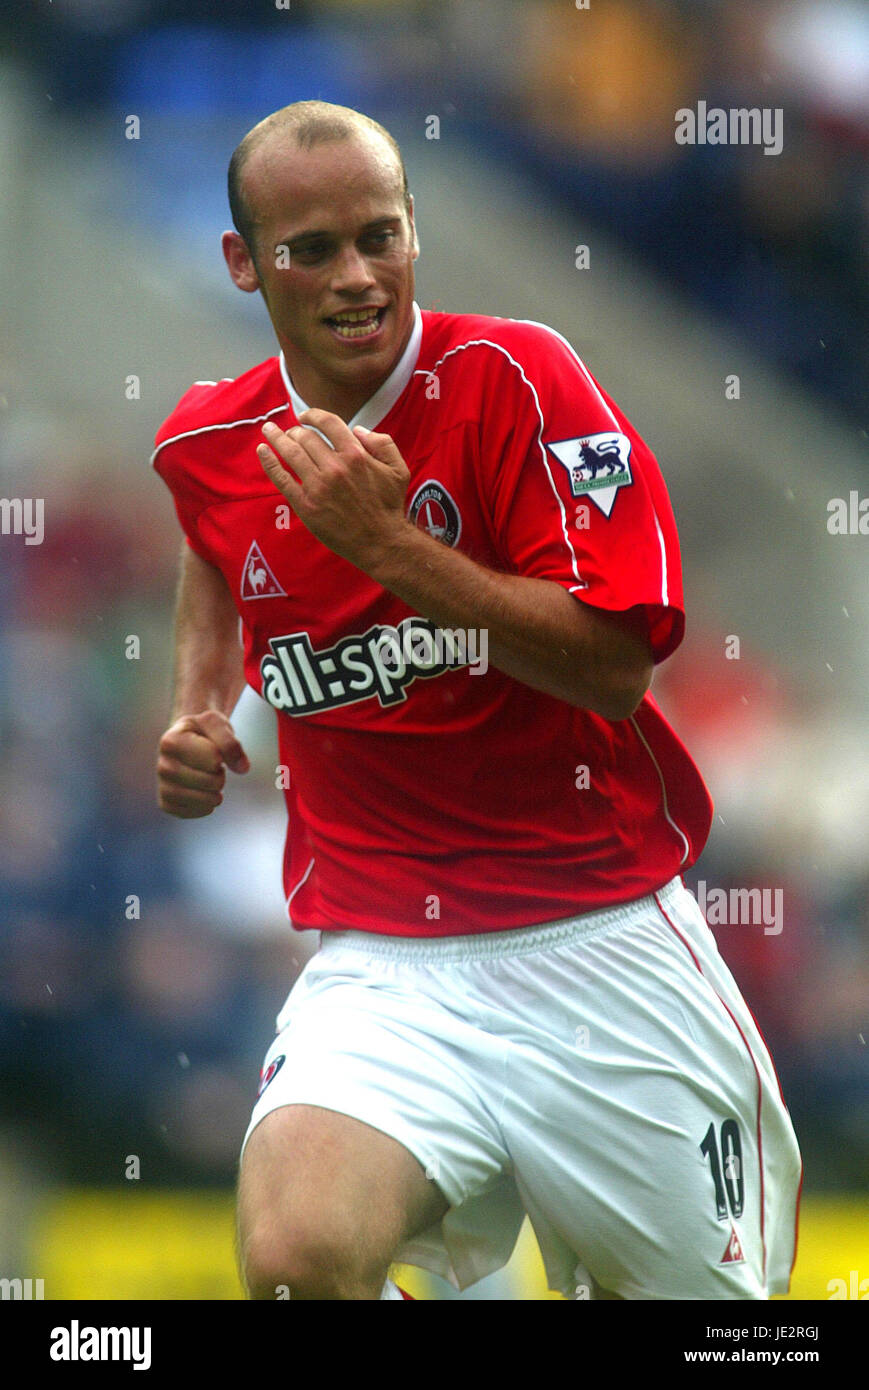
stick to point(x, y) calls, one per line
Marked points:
point(172, 773)
point(189, 805)
point(189, 748)
point(332, 426)
point(287, 444)
point(316, 449)
point(279, 477)
point(380, 446)
point(218, 728)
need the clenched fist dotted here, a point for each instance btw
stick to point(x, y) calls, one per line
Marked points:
point(194, 753)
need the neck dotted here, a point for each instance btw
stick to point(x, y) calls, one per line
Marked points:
point(345, 399)
point(340, 401)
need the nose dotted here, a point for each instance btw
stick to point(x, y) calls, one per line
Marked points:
point(352, 271)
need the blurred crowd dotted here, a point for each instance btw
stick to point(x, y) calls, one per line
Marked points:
point(774, 245)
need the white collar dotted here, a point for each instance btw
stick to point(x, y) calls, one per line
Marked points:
point(384, 398)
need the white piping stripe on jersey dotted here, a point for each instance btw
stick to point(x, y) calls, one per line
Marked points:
point(583, 368)
point(302, 880)
point(593, 384)
point(486, 342)
point(680, 833)
point(206, 429)
point(664, 595)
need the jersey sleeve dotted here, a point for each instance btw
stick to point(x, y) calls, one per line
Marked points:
point(576, 496)
point(169, 460)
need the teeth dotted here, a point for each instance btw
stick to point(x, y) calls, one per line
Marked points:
point(356, 325)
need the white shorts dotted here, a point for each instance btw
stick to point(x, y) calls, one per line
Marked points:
point(601, 1074)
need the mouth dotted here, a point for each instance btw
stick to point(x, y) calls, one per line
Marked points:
point(357, 323)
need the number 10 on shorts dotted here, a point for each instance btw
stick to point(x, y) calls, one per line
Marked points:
point(727, 1176)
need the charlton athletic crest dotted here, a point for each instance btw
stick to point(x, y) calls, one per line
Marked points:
point(433, 510)
point(597, 465)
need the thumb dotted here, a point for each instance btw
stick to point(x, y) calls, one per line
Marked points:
point(214, 725)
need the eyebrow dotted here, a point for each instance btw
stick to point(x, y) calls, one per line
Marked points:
point(313, 235)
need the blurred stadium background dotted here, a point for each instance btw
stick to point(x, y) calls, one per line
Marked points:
point(129, 1037)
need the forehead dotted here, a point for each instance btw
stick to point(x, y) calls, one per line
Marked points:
point(334, 183)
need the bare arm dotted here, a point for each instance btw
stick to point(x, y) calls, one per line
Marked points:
point(208, 661)
point(209, 677)
point(537, 632)
point(352, 497)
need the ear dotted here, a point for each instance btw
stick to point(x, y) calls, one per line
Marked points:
point(413, 229)
point(240, 262)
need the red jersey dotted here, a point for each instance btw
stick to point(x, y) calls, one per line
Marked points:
point(429, 798)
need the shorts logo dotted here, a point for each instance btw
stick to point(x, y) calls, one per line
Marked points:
point(257, 580)
point(433, 510)
point(733, 1254)
point(269, 1073)
point(597, 465)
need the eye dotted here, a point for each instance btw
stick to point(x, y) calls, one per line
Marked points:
point(380, 238)
point(313, 251)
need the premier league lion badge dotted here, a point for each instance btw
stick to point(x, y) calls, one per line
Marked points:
point(597, 465)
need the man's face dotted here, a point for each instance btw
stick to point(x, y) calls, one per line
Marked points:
point(334, 241)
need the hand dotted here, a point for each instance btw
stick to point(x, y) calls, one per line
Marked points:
point(350, 496)
point(190, 768)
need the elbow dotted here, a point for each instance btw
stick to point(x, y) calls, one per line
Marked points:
point(621, 696)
